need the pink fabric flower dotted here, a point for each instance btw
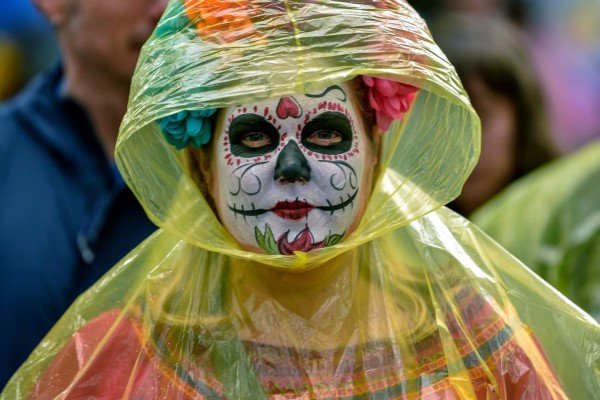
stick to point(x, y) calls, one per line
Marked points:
point(389, 99)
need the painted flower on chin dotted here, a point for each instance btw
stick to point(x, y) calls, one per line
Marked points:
point(304, 241)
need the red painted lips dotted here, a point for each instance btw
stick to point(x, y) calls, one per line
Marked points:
point(294, 210)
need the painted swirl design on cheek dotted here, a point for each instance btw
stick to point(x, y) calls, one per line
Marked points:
point(347, 175)
point(247, 182)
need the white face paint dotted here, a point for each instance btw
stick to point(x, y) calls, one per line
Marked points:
point(290, 171)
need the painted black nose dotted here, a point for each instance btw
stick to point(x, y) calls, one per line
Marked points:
point(291, 165)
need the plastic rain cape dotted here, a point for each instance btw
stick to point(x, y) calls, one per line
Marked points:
point(415, 303)
point(556, 212)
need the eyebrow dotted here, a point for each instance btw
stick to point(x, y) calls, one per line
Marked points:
point(329, 89)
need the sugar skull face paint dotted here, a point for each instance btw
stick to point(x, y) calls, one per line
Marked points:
point(291, 171)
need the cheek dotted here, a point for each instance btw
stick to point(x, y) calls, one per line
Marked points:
point(225, 169)
point(499, 140)
point(246, 179)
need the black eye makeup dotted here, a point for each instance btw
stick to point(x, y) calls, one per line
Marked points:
point(328, 133)
point(251, 135)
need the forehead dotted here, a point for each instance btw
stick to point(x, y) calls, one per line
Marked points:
point(284, 107)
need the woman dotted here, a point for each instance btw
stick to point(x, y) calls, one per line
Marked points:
point(300, 255)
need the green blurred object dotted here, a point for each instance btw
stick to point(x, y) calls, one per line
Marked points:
point(550, 220)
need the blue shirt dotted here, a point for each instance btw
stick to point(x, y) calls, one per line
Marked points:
point(66, 216)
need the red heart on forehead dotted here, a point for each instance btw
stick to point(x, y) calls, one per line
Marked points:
point(288, 107)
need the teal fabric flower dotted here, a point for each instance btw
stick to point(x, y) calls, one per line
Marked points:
point(187, 128)
point(172, 21)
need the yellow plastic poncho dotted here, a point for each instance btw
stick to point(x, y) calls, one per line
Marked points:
point(415, 303)
point(550, 220)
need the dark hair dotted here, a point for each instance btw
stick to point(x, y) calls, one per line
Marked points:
point(494, 50)
point(361, 93)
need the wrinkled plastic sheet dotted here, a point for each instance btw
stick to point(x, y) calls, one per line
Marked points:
point(415, 303)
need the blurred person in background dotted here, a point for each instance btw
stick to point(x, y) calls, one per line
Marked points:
point(550, 218)
point(66, 214)
point(564, 43)
point(479, 6)
point(30, 36)
point(514, 9)
point(491, 58)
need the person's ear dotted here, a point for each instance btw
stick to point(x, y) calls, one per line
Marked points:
point(53, 10)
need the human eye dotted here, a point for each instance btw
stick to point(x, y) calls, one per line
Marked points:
point(324, 138)
point(251, 135)
point(328, 133)
point(256, 140)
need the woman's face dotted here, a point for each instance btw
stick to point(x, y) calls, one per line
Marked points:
point(497, 161)
point(291, 174)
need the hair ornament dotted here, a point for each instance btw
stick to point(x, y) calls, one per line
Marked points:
point(186, 128)
point(173, 20)
point(389, 99)
point(221, 21)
